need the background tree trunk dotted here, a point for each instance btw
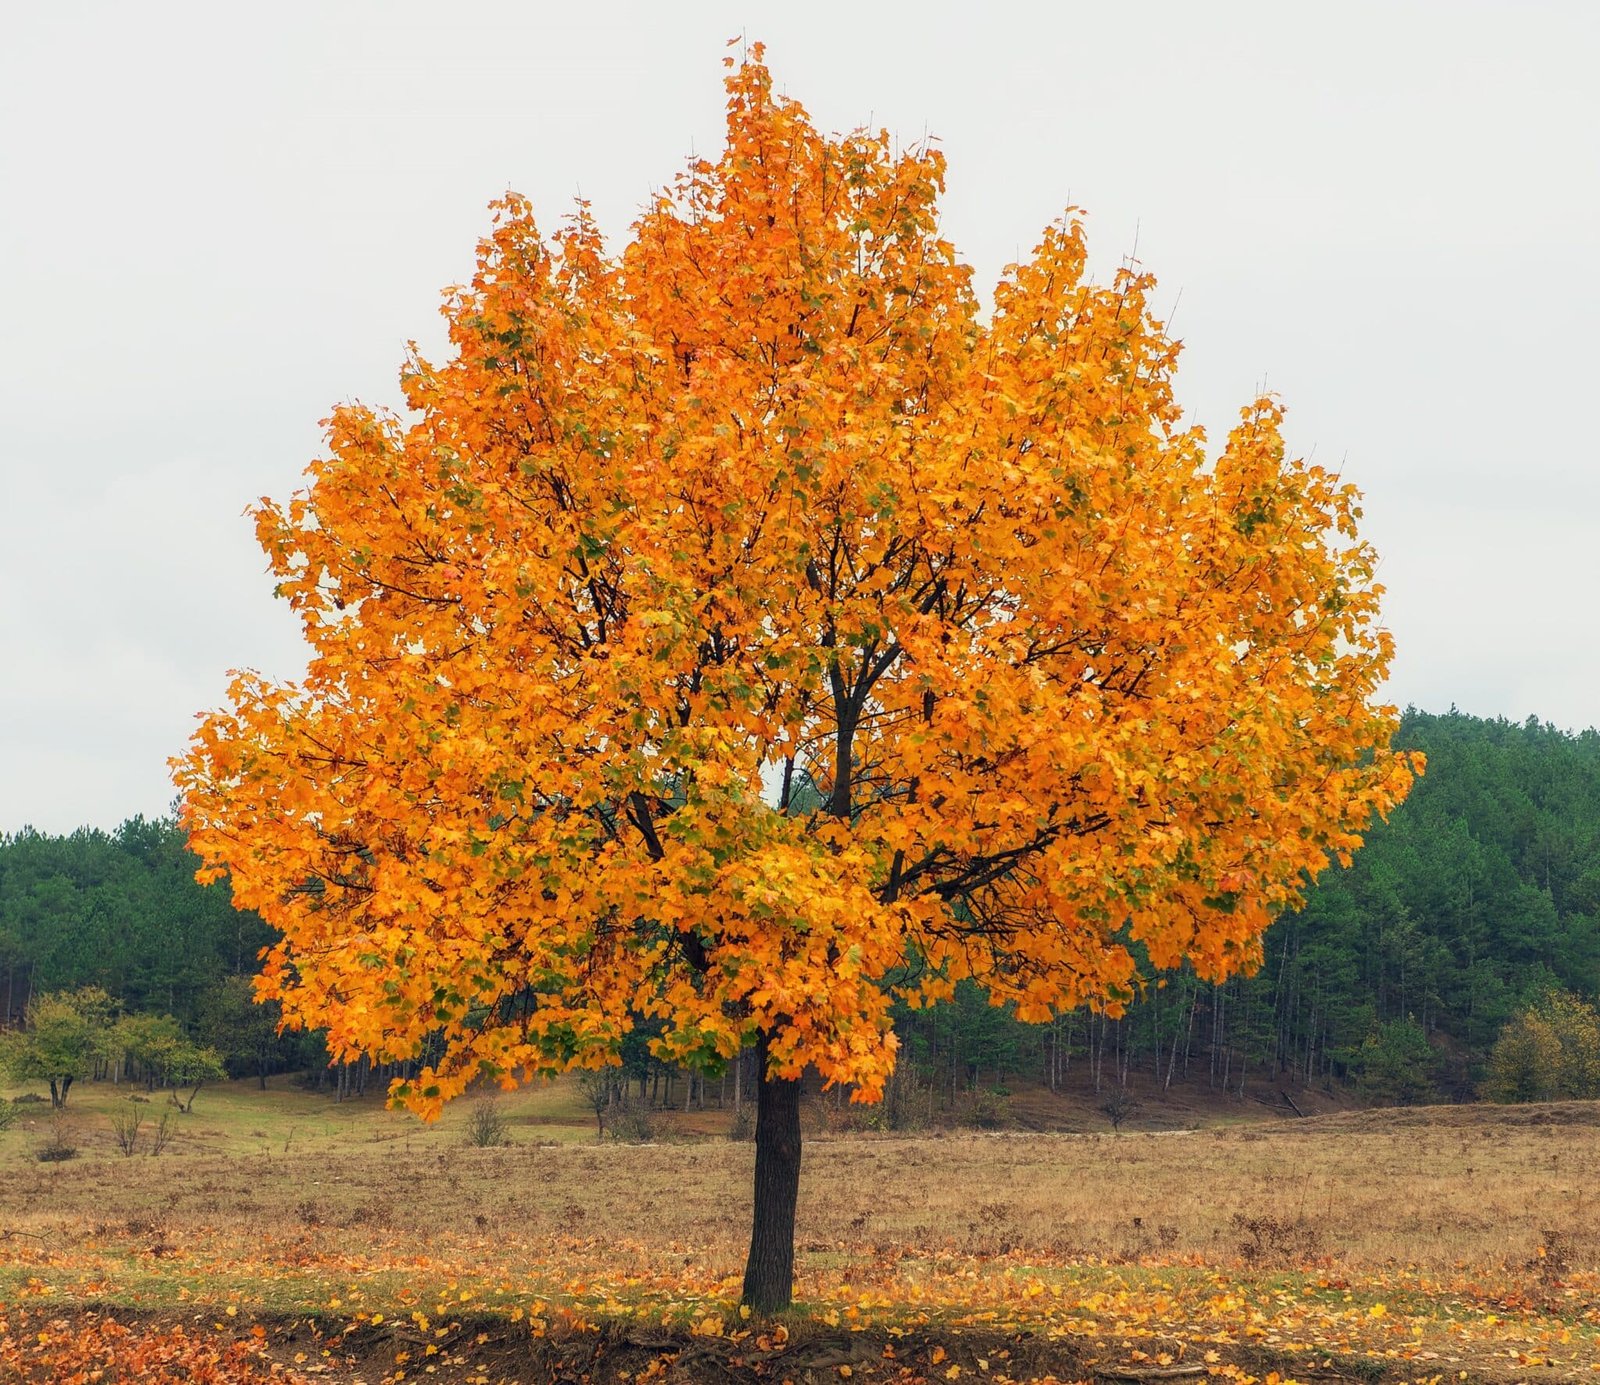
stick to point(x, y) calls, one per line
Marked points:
point(769, 1272)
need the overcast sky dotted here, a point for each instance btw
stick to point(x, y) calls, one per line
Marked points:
point(217, 220)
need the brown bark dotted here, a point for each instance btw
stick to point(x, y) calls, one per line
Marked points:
point(769, 1271)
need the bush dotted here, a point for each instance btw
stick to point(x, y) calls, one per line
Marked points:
point(988, 1111)
point(162, 1135)
point(487, 1128)
point(743, 1126)
point(908, 1099)
point(1271, 1240)
point(632, 1123)
point(125, 1125)
point(60, 1147)
point(1118, 1104)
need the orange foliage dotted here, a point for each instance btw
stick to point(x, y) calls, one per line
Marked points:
point(78, 1351)
point(746, 627)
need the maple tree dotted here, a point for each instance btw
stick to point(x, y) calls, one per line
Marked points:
point(747, 629)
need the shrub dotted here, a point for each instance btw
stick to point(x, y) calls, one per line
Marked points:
point(487, 1127)
point(125, 1126)
point(60, 1146)
point(1118, 1104)
point(988, 1110)
point(162, 1135)
point(1268, 1240)
point(632, 1123)
point(908, 1099)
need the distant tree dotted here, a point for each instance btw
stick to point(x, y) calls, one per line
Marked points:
point(636, 1052)
point(191, 1067)
point(146, 1044)
point(1395, 1064)
point(1549, 1051)
point(157, 1048)
point(1525, 1063)
point(1577, 1028)
point(244, 1032)
point(986, 1037)
point(64, 1034)
point(599, 1091)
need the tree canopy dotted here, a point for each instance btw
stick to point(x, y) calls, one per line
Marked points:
point(65, 1033)
point(746, 629)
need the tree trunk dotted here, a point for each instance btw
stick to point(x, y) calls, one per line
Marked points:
point(769, 1272)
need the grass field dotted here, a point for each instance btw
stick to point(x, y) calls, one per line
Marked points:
point(1369, 1245)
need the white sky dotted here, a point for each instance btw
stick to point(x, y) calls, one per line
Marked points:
point(218, 220)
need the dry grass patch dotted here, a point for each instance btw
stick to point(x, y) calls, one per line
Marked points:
point(1437, 1190)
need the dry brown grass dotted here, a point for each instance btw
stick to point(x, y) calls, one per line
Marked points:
point(1437, 1189)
